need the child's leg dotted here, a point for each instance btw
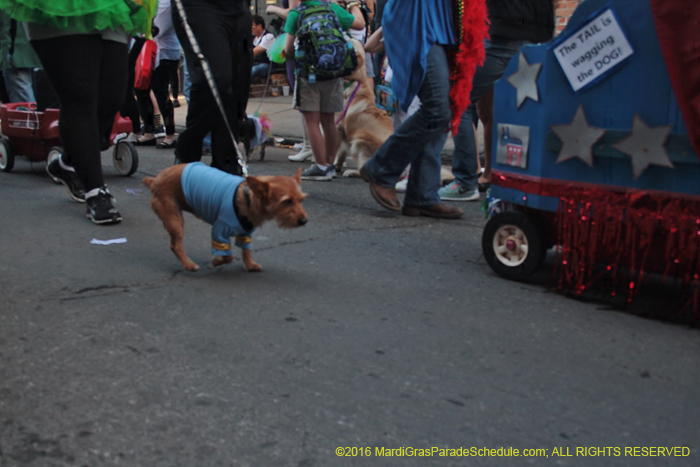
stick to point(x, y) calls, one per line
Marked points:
point(318, 144)
point(330, 135)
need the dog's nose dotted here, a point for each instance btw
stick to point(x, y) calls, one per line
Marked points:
point(302, 221)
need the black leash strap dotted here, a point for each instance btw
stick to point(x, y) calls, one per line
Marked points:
point(210, 80)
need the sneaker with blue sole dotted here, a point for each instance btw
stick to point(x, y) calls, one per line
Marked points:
point(456, 192)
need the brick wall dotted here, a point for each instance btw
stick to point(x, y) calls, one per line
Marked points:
point(563, 10)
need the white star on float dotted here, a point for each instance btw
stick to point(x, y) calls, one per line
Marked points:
point(525, 80)
point(645, 146)
point(577, 138)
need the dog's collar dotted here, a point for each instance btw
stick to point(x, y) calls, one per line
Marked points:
point(243, 220)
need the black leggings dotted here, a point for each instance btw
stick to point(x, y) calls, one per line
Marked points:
point(130, 108)
point(159, 85)
point(89, 76)
point(222, 29)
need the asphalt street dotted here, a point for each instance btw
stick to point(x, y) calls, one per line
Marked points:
point(386, 336)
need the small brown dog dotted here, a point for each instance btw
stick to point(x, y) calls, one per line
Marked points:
point(232, 205)
point(365, 126)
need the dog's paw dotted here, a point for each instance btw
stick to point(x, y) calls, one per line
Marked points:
point(351, 173)
point(191, 267)
point(219, 260)
point(253, 267)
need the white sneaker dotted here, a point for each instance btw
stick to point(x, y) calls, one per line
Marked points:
point(303, 155)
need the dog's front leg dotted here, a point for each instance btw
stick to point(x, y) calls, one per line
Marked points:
point(248, 263)
point(219, 260)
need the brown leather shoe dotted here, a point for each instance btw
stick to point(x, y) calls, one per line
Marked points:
point(386, 197)
point(439, 211)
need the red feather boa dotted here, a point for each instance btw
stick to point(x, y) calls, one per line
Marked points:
point(470, 54)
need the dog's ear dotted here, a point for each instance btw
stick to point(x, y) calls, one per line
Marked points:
point(297, 176)
point(260, 189)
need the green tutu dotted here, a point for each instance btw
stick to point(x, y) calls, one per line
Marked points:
point(85, 16)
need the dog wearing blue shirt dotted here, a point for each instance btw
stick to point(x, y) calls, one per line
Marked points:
point(234, 206)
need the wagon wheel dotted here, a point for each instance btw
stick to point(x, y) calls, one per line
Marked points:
point(126, 158)
point(7, 155)
point(512, 245)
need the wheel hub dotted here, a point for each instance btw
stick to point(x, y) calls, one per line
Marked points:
point(510, 244)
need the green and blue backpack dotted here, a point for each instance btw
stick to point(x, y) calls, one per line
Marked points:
point(323, 52)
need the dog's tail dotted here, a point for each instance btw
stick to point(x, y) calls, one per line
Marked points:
point(148, 181)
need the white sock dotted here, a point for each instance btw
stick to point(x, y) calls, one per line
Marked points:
point(322, 167)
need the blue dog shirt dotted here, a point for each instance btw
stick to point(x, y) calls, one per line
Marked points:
point(210, 193)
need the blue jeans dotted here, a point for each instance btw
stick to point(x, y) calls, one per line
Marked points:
point(464, 157)
point(419, 140)
point(259, 71)
point(18, 82)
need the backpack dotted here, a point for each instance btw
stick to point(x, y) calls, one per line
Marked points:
point(323, 52)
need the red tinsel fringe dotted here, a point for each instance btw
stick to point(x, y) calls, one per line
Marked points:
point(639, 230)
point(469, 55)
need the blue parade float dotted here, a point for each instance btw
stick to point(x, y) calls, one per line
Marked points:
point(596, 138)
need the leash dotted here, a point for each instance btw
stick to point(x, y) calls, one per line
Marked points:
point(210, 81)
point(347, 106)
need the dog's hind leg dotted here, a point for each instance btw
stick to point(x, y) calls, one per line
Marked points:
point(174, 224)
point(342, 153)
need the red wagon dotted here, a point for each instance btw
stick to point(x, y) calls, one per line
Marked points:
point(34, 134)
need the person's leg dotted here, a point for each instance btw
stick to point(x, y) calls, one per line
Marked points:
point(418, 137)
point(159, 85)
point(175, 81)
point(330, 136)
point(145, 104)
point(130, 108)
point(485, 108)
point(18, 82)
point(221, 36)
point(320, 170)
point(112, 84)
point(111, 87)
point(89, 77)
point(498, 54)
point(305, 152)
point(202, 110)
point(72, 64)
point(465, 163)
point(234, 87)
point(259, 71)
point(331, 103)
point(316, 140)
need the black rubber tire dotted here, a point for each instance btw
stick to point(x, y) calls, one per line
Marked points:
point(527, 252)
point(7, 155)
